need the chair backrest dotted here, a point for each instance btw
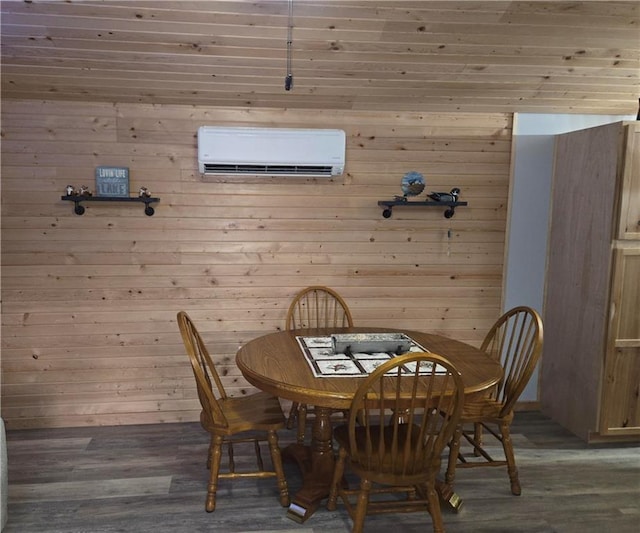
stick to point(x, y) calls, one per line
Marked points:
point(204, 371)
point(516, 341)
point(403, 415)
point(318, 307)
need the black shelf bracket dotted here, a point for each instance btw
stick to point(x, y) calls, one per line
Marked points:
point(388, 206)
point(79, 208)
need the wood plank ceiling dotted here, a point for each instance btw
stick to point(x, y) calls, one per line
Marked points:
point(544, 57)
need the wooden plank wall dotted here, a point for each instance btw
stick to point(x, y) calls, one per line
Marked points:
point(89, 302)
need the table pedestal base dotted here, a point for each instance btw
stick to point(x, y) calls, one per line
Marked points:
point(316, 464)
point(314, 482)
point(448, 497)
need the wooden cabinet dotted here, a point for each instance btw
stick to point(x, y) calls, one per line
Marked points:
point(590, 371)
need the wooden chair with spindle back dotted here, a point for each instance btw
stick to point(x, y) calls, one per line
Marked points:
point(314, 307)
point(516, 341)
point(401, 418)
point(230, 420)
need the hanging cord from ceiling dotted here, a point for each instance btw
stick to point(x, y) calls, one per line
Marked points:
point(288, 81)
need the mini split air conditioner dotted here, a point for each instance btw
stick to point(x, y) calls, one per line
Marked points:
point(270, 151)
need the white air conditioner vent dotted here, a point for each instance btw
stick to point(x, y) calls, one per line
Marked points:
point(218, 168)
point(270, 151)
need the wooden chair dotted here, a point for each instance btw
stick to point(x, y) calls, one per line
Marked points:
point(399, 424)
point(229, 420)
point(314, 307)
point(318, 307)
point(516, 340)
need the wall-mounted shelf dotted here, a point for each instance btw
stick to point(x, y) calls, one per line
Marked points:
point(390, 204)
point(79, 209)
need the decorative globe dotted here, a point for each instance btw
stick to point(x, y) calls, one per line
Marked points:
point(412, 183)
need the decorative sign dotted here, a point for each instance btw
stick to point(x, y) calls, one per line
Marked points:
point(112, 181)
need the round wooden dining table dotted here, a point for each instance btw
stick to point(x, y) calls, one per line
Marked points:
point(275, 363)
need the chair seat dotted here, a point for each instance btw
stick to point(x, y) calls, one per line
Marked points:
point(260, 411)
point(481, 409)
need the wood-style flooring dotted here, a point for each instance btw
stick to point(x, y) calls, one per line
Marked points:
point(152, 479)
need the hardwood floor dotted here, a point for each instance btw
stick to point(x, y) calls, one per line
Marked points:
point(153, 479)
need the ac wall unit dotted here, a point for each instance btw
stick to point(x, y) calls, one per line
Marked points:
point(270, 151)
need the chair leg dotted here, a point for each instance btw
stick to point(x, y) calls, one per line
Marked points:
point(337, 479)
point(512, 469)
point(215, 456)
point(434, 507)
point(477, 437)
point(454, 450)
point(361, 506)
point(276, 459)
point(302, 422)
point(209, 454)
point(292, 415)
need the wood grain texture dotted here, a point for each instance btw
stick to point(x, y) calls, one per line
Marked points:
point(472, 56)
point(89, 302)
point(620, 413)
point(567, 486)
point(578, 275)
point(630, 199)
point(590, 368)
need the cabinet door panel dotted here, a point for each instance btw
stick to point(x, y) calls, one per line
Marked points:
point(628, 275)
point(620, 409)
point(630, 193)
point(621, 398)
